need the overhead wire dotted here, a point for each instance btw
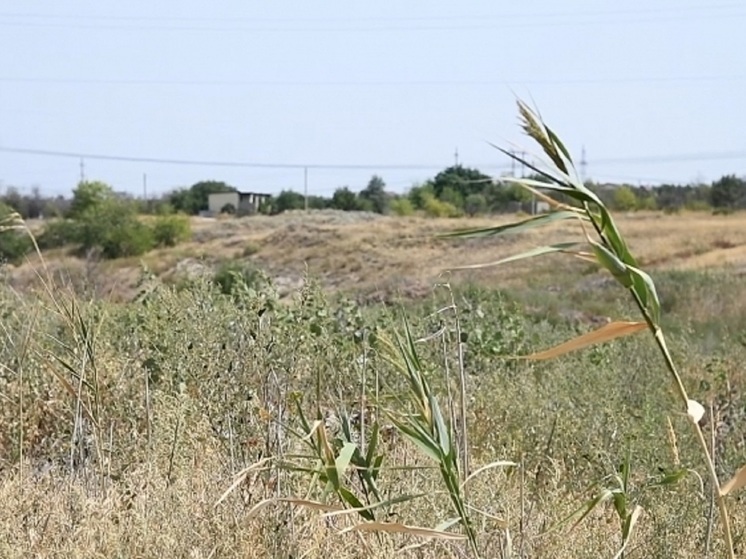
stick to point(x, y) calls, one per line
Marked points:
point(666, 158)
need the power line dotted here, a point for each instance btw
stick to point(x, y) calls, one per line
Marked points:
point(208, 163)
point(455, 17)
point(483, 23)
point(669, 158)
point(710, 8)
point(370, 83)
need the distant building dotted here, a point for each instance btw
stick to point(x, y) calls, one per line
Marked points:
point(238, 203)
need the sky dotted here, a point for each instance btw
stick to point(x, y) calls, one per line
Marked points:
point(152, 96)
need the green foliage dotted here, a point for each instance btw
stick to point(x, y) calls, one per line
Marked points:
point(401, 206)
point(475, 204)
point(115, 229)
point(235, 277)
point(112, 226)
point(625, 199)
point(451, 196)
point(462, 180)
point(285, 201)
point(375, 194)
point(419, 194)
point(611, 253)
point(88, 196)
point(195, 199)
point(170, 230)
point(15, 243)
point(58, 233)
point(346, 200)
point(436, 208)
point(729, 192)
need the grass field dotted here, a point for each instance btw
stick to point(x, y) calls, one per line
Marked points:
point(131, 408)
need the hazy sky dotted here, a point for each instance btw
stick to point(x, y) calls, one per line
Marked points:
point(653, 90)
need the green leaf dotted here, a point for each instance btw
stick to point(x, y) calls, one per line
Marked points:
point(546, 174)
point(539, 251)
point(615, 239)
point(620, 503)
point(376, 467)
point(591, 504)
point(557, 142)
point(373, 506)
point(628, 530)
point(647, 287)
point(344, 457)
point(442, 429)
point(355, 503)
point(609, 260)
point(670, 478)
point(525, 225)
point(420, 439)
point(372, 444)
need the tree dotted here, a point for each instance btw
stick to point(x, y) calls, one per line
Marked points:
point(453, 197)
point(475, 204)
point(375, 194)
point(87, 196)
point(346, 200)
point(195, 199)
point(729, 193)
point(625, 199)
point(113, 227)
point(461, 179)
point(419, 194)
point(15, 200)
point(287, 200)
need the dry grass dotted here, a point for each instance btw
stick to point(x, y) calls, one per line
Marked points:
point(380, 257)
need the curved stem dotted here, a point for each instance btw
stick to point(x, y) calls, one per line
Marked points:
point(671, 366)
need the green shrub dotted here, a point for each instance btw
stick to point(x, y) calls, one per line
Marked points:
point(437, 208)
point(114, 228)
point(14, 243)
point(170, 230)
point(401, 206)
point(232, 277)
point(475, 204)
point(58, 233)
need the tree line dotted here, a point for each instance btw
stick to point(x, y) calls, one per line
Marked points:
point(96, 218)
point(456, 190)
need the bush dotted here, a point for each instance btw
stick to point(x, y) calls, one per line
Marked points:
point(232, 277)
point(170, 230)
point(14, 243)
point(436, 208)
point(59, 233)
point(401, 206)
point(475, 204)
point(131, 238)
point(114, 228)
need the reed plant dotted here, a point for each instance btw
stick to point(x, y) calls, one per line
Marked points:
point(602, 244)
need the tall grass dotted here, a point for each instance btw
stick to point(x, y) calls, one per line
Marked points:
point(603, 245)
point(196, 421)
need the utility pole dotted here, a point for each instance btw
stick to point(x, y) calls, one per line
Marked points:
point(512, 164)
point(82, 170)
point(305, 187)
point(583, 165)
point(455, 157)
